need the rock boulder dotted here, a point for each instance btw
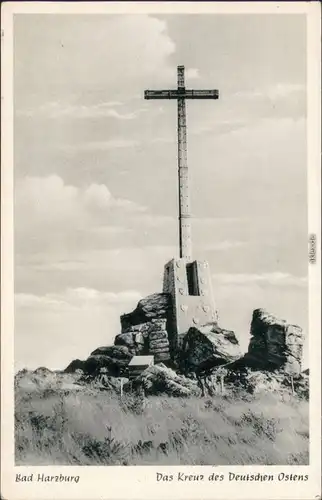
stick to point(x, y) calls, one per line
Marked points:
point(157, 340)
point(134, 341)
point(208, 346)
point(274, 344)
point(76, 364)
point(150, 337)
point(155, 306)
point(114, 358)
point(159, 379)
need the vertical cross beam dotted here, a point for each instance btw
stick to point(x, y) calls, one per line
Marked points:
point(183, 174)
point(181, 94)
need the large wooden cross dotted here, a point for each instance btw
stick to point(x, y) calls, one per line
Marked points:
point(181, 94)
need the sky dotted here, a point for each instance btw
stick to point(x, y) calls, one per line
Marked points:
point(95, 171)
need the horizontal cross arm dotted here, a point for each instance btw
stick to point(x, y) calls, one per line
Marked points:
point(181, 94)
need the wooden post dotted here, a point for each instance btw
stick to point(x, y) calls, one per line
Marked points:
point(208, 383)
point(121, 387)
point(222, 383)
point(292, 385)
point(201, 385)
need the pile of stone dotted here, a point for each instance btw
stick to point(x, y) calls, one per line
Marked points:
point(155, 306)
point(134, 339)
point(144, 331)
point(146, 338)
point(274, 344)
point(158, 342)
point(207, 350)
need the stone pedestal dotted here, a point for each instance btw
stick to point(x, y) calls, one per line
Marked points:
point(189, 284)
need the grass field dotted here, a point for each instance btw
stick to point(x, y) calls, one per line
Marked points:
point(97, 428)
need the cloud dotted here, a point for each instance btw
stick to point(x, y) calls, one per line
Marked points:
point(248, 109)
point(80, 295)
point(192, 74)
point(273, 278)
point(75, 298)
point(103, 145)
point(155, 220)
point(45, 198)
point(59, 229)
point(124, 51)
point(285, 89)
point(51, 265)
point(276, 91)
point(98, 196)
point(79, 319)
point(224, 245)
point(62, 109)
point(34, 301)
point(48, 200)
point(281, 100)
point(163, 140)
point(70, 236)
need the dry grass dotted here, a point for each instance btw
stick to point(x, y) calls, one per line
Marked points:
point(96, 428)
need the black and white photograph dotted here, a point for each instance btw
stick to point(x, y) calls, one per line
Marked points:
point(162, 247)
